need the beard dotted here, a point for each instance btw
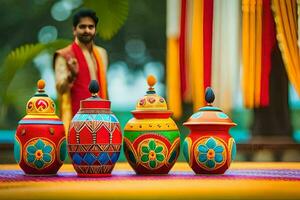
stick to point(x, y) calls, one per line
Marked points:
point(85, 38)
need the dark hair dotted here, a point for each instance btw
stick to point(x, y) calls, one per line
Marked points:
point(84, 13)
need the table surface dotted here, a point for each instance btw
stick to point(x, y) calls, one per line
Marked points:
point(244, 180)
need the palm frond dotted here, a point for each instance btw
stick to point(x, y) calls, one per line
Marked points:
point(21, 57)
point(21, 88)
point(112, 15)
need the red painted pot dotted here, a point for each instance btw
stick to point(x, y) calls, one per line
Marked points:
point(40, 143)
point(95, 137)
point(209, 148)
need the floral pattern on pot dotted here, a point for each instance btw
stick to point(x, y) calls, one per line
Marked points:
point(232, 149)
point(187, 143)
point(210, 153)
point(17, 150)
point(153, 153)
point(62, 150)
point(39, 153)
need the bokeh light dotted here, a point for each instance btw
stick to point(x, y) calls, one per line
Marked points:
point(47, 34)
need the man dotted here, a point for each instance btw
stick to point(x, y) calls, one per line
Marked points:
point(79, 63)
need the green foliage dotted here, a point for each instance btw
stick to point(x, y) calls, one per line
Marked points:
point(17, 77)
point(21, 57)
point(17, 81)
point(112, 15)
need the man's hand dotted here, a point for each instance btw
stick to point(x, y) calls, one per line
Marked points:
point(73, 69)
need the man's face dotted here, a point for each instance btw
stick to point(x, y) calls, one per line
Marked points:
point(85, 30)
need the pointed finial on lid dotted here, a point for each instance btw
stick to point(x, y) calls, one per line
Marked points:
point(41, 85)
point(209, 96)
point(151, 80)
point(94, 88)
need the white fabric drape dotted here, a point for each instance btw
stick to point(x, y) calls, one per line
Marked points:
point(226, 53)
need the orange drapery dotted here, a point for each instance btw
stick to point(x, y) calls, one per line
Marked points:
point(172, 58)
point(251, 54)
point(194, 61)
point(102, 74)
point(286, 26)
point(197, 55)
point(173, 77)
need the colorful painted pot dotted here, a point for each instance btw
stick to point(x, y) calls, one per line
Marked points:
point(95, 137)
point(209, 149)
point(151, 138)
point(40, 143)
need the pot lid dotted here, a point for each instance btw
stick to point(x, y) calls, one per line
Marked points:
point(94, 102)
point(151, 105)
point(209, 115)
point(40, 103)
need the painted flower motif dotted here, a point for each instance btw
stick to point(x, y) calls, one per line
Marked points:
point(222, 115)
point(197, 115)
point(161, 100)
point(142, 102)
point(30, 105)
point(41, 105)
point(210, 153)
point(152, 154)
point(39, 154)
point(151, 100)
point(233, 149)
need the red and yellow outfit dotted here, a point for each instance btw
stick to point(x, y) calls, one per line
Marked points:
point(74, 68)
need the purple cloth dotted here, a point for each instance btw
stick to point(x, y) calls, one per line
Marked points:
point(263, 174)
